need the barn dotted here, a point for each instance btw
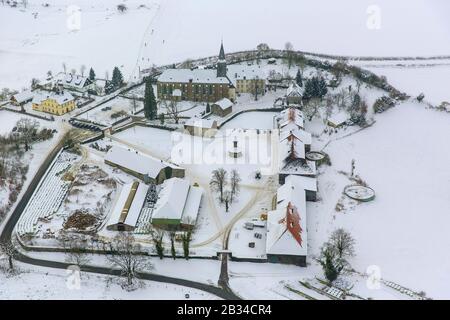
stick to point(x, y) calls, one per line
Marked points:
point(201, 127)
point(141, 166)
point(222, 107)
point(128, 207)
point(177, 206)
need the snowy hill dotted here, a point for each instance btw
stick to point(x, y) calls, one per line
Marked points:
point(167, 31)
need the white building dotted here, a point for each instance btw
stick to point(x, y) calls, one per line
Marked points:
point(286, 239)
point(128, 206)
point(143, 167)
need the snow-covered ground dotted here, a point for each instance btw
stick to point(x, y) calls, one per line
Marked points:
point(404, 157)
point(161, 32)
point(414, 81)
point(36, 283)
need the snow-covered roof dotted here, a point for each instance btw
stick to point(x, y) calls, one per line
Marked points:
point(294, 90)
point(24, 96)
point(60, 98)
point(286, 226)
point(137, 162)
point(224, 103)
point(291, 148)
point(201, 123)
point(171, 199)
point(192, 206)
point(129, 204)
point(291, 119)
point(72, 80)
point(242, 72)
point(177, 200)
point(302, 135)
point(196, 76)
point(339, 118)
point(300, 182)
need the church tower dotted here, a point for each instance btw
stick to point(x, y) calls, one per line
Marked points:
point(222, 63)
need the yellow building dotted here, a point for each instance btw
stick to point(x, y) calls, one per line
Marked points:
point(57, 103)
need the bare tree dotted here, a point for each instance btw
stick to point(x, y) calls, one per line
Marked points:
point(126, 255)
point(133, 103)
point(219, 181)
point(289, 51)
point(7, 249)
point(77, 252)
point(172, 235)
point(82, 70)
point(343, 243)
point(27, 129)
point(227, 199)
point(122, 8)
point(34, 83)
point(235, 180)
point(312, 108)
point(158, 237)
point(172, 110)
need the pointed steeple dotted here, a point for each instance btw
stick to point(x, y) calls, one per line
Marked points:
point(222, 53)
point(222, 63)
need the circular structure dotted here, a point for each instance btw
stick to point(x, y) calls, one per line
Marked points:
point(360, 193)
point(315, 156)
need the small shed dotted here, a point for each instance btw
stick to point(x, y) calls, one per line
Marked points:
point(222, 107)
point(201, 127)
point(22, 98)
point(338, 120)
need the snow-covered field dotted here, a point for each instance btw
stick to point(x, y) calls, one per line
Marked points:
point(161, 32)
point(414, 81)
point(404, 157)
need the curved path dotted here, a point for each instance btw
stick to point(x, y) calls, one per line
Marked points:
point(8, 231)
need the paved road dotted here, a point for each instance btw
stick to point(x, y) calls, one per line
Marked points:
point(8, 229)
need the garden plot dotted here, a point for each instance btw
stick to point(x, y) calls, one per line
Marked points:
point(88, 200)
point(112, 111)
point(47, 199)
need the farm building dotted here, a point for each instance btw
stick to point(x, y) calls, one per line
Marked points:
point(177, 206)
point(294, 94)
point(201, 127)
point(22, 98)
point(222, 107)
point(128, 207)
point(309, 184)
point(337, 120)
point(143, 167)
point(286, 240)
